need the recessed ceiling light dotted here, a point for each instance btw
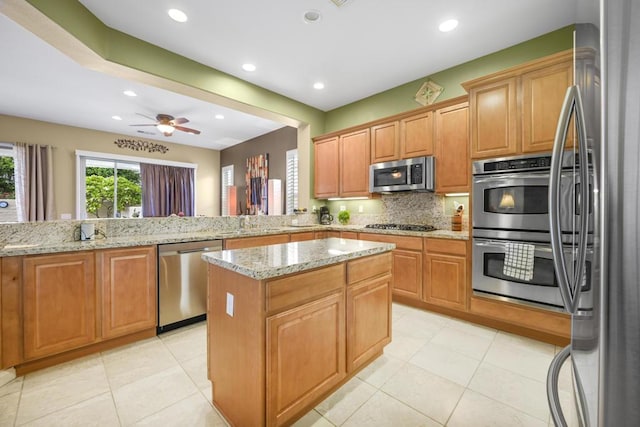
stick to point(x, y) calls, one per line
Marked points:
point(448, 25)
point(116, 117)
point(219, 116)
point(318, 85)
point(130, 93)
point(177, 15)
point(248, 67)
point(312, 16)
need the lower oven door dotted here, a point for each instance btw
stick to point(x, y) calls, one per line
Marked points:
point(522, 271)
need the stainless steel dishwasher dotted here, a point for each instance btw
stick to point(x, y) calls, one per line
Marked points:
point(182, 283)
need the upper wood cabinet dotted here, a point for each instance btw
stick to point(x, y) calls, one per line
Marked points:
point(385, 143)
point(516, 111)
point(59, 303)
point(416, 135)
point(129, 290)
point(326, 168)
point(452, 149)
point(354, 163)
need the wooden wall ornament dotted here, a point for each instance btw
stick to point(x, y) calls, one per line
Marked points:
point(428, 93)
point(140, 145)
point(257, 177)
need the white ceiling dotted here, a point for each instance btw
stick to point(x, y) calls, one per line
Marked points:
point(359, 49)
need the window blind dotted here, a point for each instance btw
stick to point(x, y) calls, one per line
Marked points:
point(292, 181)
point(226, 182)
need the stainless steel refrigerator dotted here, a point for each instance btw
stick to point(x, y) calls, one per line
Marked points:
point(601, 290)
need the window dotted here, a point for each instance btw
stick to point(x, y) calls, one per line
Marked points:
point(226, 182)
point(292, 181)
point(109, 185)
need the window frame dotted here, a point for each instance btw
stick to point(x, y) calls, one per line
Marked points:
point(228, 169)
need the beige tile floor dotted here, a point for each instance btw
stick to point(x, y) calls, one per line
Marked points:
point(437, 371)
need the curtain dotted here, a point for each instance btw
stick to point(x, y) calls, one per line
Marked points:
point(166, 190)
point(34, 182)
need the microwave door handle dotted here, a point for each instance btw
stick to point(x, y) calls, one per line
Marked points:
point(555, 174)
point(584, 196)
point(553, 397)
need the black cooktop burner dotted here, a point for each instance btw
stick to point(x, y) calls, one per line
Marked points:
point(403, 227)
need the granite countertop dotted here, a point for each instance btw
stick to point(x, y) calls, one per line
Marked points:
point(29, 248)
point(265, 262)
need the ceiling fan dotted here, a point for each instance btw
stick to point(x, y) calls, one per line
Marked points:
point(166, 124)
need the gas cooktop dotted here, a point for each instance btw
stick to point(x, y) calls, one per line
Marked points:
point(402, 227)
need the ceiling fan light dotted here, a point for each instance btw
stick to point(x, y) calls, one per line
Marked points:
point(177, 15)
point(166, 129)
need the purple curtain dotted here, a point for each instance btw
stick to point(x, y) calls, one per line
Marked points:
point(166, 190)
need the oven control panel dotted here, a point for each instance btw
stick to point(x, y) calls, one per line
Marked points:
point(525, 163)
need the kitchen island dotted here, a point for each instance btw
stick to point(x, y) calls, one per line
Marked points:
point(290, 323)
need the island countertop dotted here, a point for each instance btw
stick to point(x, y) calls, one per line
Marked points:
point(265, 262)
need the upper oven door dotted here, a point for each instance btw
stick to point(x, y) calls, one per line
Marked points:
point(520, 202)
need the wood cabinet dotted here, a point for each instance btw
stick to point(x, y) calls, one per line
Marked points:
point(354, 163)
point(452, 149)
point(416, 135)
point(326, 168)
point(305, 356)
point(249, 242)
point(59, 302)
point(516, 110)
point(445, 273)
point(127, 278)
point(385, 142)
point(368, 309)
point(407, 263)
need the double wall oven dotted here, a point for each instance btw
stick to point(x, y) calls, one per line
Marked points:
point(511, 241)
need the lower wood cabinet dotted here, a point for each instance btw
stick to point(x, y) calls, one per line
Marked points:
point(305, 356)
point(249, 242)
point(129, 292)
point(299, 237)
point(445, 273)
point(59, 303)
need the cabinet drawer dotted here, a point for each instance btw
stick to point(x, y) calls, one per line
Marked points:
point(446, 246)
point(371, 266)
point(294, 290)
point(402, 242)
point(250, 242)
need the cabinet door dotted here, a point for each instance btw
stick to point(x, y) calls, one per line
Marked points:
point(313, 365)
point(445, 270)
point(354, 164)
point(59, 303)
point(416, 135)
point(250, 242)
point(385, 144)
point(299, 237)
point(326, 168)
point(407, 273)
point(129, 287)
point(494, 119)
point(368, 320)
point(543, 93)
point(452, 149)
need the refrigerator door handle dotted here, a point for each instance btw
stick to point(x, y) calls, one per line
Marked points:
point(553, 397)
point(584, 196)
point(568, 292)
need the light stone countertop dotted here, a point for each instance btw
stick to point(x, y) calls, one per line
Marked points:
point(265, 262)
point(28, 248)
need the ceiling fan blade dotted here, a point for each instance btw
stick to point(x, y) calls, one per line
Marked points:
point(146, 117)
point(180, 120)
point(189, 130)
point(148, 124)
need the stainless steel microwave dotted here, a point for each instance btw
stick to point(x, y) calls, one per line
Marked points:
point(416, 174)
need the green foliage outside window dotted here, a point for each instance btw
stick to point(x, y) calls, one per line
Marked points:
point(7, 182)
point(100, 192)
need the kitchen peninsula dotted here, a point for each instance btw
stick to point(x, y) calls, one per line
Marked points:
point(289, 323)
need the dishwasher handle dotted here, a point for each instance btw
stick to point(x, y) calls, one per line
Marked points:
point(207, 249)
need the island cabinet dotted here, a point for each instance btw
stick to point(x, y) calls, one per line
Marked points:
point(516, 110)
point(446, 273)
point(59, 303)
point(127, 278)
point(278, 346)
point(407, 263)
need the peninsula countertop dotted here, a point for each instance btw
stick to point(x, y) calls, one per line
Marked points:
point(265, 262)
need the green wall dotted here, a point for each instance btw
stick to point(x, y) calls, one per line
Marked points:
point(401, 98)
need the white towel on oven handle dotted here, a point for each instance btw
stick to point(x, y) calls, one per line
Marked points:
point(518, 261)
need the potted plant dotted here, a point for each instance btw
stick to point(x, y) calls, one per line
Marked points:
point(343, 217)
